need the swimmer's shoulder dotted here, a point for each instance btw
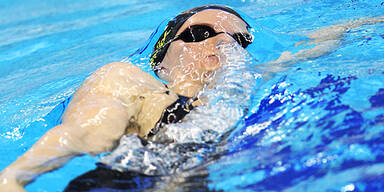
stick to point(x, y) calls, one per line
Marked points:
point(119, 75)
point(121, 65)
point(153, 95)
point(119, 68)
point(127, 76)
point(121, 80)
point(131, 72)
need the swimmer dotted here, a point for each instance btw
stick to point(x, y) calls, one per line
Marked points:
point(120, 98)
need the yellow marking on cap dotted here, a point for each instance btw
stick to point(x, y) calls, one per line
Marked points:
point(162, 42)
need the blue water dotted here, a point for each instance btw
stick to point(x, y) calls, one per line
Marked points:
point(317, 126)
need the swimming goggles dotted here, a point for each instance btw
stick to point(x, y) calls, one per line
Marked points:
point(198, 33)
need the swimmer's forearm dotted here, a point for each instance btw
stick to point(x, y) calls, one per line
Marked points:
point(50, 152)
point(321, 42)
point(336, 32)
point(320, 49)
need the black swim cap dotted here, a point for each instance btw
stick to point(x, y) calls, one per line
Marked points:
point(161, 46)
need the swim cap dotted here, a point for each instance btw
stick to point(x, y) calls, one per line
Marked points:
point(161, 46)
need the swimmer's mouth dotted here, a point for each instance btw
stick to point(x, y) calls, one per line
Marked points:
point(209, 77)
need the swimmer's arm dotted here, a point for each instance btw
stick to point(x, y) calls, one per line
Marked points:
point(92, 125)
point(47, 154)
point(92, 131)
point(323, 41)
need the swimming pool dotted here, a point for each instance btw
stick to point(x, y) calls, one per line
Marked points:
point(316, 126)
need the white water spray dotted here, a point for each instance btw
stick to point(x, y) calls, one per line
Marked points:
point(180, 146)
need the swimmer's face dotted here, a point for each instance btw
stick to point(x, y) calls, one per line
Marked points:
point(188, 66)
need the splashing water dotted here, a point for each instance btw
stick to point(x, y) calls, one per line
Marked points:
point(182, 145)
